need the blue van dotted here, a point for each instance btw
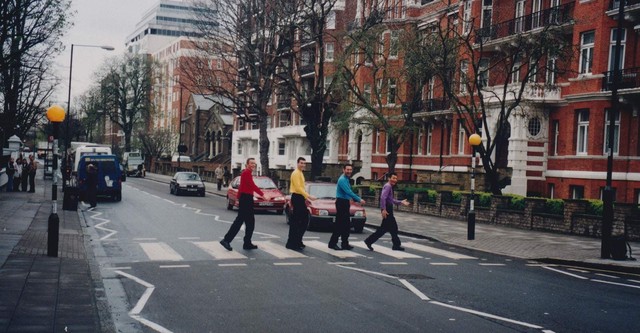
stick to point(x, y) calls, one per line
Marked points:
point(109, 176)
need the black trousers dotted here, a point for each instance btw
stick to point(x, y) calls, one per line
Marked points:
point(219, 180)
point(299, 221)
point(342, 223)
point(246, 216)
point(32, 182)
point(388, 225)
point(23, 181)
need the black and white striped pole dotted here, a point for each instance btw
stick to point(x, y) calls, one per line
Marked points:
point(474, 141)
point(56, 115)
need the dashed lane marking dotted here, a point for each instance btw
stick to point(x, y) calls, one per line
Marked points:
point(443, 263)
point(277, 250)
point(439, 252)
point(388, 251)
point(217, 251)
point(160, 252)
point(174, 266)
point(392, 263)
point(320, 246)
point(232, 265)
point(287, 264)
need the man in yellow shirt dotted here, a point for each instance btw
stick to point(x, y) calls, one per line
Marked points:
point(300, 217)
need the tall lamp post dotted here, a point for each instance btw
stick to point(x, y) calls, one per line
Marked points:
point(55, 114)
point(66, 130)
point(474, 141)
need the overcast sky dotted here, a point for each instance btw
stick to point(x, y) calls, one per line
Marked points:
point(96, 22)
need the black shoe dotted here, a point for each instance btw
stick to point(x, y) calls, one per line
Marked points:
point(249, 246)
point(397, 248)
point(226, 245)
point(302, 246)
point(368, 245)
point(347, 247)
point(334, 247)
point(295, 248)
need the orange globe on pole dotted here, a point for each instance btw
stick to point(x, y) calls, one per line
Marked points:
point(475, 139)
point(55, 114)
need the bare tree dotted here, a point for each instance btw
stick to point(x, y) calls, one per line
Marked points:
point(30, 35)
point(155, 143)
point(249, 39)
point(125, 87)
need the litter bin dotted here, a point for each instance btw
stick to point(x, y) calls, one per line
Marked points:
point(70, 201)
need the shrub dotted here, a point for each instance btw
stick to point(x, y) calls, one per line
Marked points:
point(456, 197)
point(595, 207)
point(516, 202)
point(428, 195)
point(554, 206)
point(484, 199)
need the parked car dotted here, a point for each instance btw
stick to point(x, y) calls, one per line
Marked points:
point(186, 182)
point(322, 212)
point(267, 186)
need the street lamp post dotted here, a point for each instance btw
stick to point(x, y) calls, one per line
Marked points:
point(474, 141)
point(67, 139)
point(55, 114)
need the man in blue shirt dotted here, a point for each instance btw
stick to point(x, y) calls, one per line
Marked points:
point(344, 196)
point(389, 223)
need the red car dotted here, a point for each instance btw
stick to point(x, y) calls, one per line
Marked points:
point(267, 186)
point(322, 212)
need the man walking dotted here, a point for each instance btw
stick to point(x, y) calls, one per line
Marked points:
point(388, 220)
point(219, 173)
point(298, 224)
point(344, 195)
point(245, 210)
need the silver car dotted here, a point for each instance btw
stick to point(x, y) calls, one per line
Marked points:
point(186, 182)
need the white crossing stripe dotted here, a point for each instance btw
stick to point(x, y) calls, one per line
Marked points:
point(324, 248)
point(387, 251)
point(491, 264)
point(439, 252)
point(216, 250)
point(160, 251)
point(443, 263)
point(278, 250)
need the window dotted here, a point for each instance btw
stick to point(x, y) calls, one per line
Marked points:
point(284, 118)
point(388, 148)
point(378, 142)
point(328, 149)
point(613, 189)
point(281, 147)
point(536, 6)
point(432, 85)
point(393, 44)
point(487, 11)
point(366, 94)
point(616, 132)
point(429, 138)
point(239, 147)
point(515, 72)
point(551, 71)
point(612, 48)
point(218, 64)
point(391, 95)
point(328, 54)
point(556, 136)
point(466, 17)
point(583, 132)
point(519, 18)
point(483, 72)
point(576, 192)
point(461, 137)
point(420, 138)
point(464, 69)
point(534, 126)
point(533, 72)
point(552, 191)
point(331, 20)
point(587, 40)
point(381, 46)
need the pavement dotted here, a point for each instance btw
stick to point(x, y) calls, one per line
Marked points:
point(56, 294)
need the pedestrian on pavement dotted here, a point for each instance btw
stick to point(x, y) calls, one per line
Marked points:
point(227, 176)
point(219, 173)
point(10, 170)
point(300, 217)
point(344, 196)
point(33, 167)
point(24, 179)
point(17, 177)
point(389, 223)
point(92, 185)
point(246, 192)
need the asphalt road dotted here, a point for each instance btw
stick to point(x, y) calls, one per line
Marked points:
point(164, 271)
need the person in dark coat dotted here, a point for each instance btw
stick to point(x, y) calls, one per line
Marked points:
point(92, 184)
point(33, 167)
point(24, 179)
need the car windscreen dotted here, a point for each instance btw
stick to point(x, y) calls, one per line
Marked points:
point(264, 183)
point(325, 191)
point(188, 176)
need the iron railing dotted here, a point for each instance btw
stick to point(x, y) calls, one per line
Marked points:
point(629, 78)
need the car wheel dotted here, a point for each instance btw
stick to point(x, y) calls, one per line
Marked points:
point(202, 194)
point(170, 190)
point(229, 204)
point(279, 212)
point(177, 190)
point(117, 196)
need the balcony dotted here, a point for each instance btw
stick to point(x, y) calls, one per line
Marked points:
point(556, 16)
point(629, 79)
point(284, 103)
point(533, 93)
point(631, 9)
point(430, 105)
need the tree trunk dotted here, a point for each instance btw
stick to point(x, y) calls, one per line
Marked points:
point(263, 143)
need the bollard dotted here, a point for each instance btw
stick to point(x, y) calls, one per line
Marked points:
point(53, 227)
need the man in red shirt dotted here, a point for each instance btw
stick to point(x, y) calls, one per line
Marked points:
point(245, 210)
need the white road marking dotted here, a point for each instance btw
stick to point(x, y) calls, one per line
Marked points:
point(490, 264)
point(160, 252)
point(277, 250)
point(135, 312)
point(488, 315)
point(387, 251)
point(232, 265)
point(392, 263)
point(439, 252)
point(608, 276)
point(96, 216)
point(144, 239)
point(287, 264)
point(414, 290)
point(188, 238)
point(341, 263)
point(175, 266)
point(118, 268)
point(217, 251)
point(577, 270)
point(634, 281)
point(324, 248)
point(369, 272)
point(616, 283)
point(563, 272)
point(443, 263)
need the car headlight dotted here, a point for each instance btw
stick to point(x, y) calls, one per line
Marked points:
point(200, 185)
point(278, 199)
point(323, 212)
point(359, 213)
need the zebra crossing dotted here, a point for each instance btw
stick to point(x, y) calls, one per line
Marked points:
point(160, 251)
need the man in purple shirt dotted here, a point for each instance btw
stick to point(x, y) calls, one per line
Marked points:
point(388, 220)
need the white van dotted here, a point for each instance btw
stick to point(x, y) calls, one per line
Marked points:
point(183, 158)
point(89, 150)
point(131, 160)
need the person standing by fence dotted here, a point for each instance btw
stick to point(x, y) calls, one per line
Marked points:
point(219, 173)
